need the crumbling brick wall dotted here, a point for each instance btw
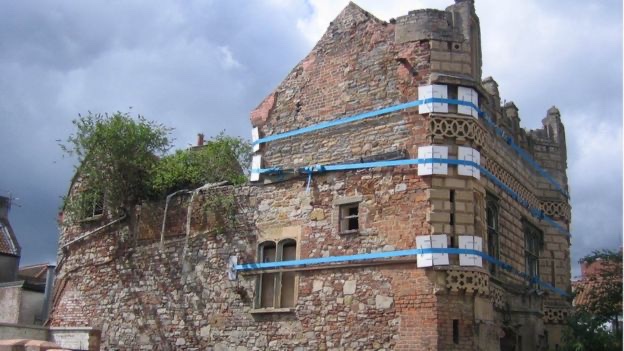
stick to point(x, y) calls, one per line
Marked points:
point(144, 287)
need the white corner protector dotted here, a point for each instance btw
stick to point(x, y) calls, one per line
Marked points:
point(430, 259)
point(470, 242)
point(433, 91)
point(468, 154)
point(433, 151)
point(255, 135)
point(256, 163)
point(470, 95)
point(232, 262)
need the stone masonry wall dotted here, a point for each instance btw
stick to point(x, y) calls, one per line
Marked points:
point(141, 294)
point(352, 69)
point(11, 297)
point(146, 288)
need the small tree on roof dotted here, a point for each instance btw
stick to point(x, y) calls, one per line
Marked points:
point(123, 159)
point(218, 160)
point(115, 155)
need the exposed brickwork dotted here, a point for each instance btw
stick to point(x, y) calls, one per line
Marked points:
point(144, 287)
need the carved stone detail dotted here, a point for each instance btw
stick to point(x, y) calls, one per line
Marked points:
point(468, 281)
point(556, 209)
point(554, 315)
point(498, 297)
point(456, 127)
point(508, 179)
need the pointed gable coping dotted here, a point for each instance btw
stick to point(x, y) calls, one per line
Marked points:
point(350, 16)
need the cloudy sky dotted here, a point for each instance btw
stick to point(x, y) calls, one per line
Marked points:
point(201, 66)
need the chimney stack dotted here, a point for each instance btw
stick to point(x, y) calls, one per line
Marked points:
point(200, 139)
point(5, 206)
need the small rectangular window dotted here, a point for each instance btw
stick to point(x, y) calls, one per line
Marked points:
point(492, 218)
point(456, 331)
point(452, 94)
point(349, 218)
point(452, 215)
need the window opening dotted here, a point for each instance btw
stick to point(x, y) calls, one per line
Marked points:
point(277, 290)
point(453, 95)
point(349, 218)
point(452, 215)
point(532, 237)
point(92, 205)
point(553, 281)
point(289, 253)
point(267, 280)
point(492, 219)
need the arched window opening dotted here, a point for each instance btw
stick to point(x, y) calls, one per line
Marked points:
point(276, 289)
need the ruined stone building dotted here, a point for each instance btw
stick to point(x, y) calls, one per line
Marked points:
point(393, 203)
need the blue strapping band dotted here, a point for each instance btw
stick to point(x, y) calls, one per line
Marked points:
point(522, 153)
point(338, 122)
point(391, 254)
point(535, 212)
point(383, 111)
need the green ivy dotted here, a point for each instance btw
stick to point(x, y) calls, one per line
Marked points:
point(222, 209)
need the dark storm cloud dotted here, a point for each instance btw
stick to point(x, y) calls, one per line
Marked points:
point(196, 66)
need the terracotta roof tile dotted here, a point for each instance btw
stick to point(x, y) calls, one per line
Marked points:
point(8, 243)
point(34, 273)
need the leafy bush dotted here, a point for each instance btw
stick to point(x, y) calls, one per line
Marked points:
point(115, 155)
point(583, 332)
point(218, 160)
point(123, 159)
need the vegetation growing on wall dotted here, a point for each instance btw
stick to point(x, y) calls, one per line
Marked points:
point(221, 210)
point(123, 159)
point(115, 154)
point(218, 160)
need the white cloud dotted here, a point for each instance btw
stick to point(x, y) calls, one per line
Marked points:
point(323, 12)
point(227, 59)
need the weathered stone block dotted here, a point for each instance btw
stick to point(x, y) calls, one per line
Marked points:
point(349, 287)
point(383, 302)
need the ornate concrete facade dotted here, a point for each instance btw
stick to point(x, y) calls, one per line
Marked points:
point(176, 288)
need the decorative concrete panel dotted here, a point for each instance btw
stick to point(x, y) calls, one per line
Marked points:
point(469, 282)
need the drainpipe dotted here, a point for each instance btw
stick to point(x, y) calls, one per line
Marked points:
point(49, 286)
point(95, 230)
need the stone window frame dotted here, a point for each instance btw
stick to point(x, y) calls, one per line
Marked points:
point(340, 205)
point(492, 212)
point(278, 304)
point(533, 242)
